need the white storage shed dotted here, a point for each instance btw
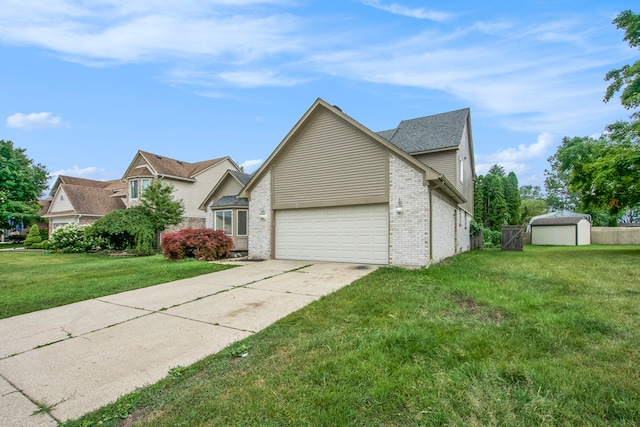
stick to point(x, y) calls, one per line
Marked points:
point(561, 231)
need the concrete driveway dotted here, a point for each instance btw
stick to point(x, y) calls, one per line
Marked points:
point(79, 357)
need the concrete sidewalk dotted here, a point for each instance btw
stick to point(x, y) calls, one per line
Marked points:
point(79, 357)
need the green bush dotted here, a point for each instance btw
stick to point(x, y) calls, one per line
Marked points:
point(491, 238)
point(74, 238)
point(42, 245)
point(44, 234)
point(32, 237)
point(126, 229)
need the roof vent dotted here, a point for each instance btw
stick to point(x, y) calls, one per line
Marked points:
point(159, 157)
point(179, 162)
point(338, 108)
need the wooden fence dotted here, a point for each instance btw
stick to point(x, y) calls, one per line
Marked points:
point(477, 242)
point(512, 238)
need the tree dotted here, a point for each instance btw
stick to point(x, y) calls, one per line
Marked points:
point(532, 203)
point(496, 170)
point(496, 199)
point(626, 78)
point(21, 184)
point(556, 183)
point(512, 197)
point(531, 192)
point(602, 173)
point(161, 209)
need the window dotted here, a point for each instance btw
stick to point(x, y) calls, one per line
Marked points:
point(222, 221)
point(133, 189)
point(144, 183)
point(242, 223)
point(461, 170)
point(137, 187)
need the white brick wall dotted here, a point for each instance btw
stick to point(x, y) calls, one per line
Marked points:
point(260, 229)
point(408, 231)
point(445, 226)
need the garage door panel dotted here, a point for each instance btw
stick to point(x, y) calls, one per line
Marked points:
point(346, 234)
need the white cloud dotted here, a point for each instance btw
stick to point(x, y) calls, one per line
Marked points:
point(518, 159)
point(251, 166)
point(79, 172)
point(522, 153)
point(398, 9)
point(35, 121)
point(119, 32)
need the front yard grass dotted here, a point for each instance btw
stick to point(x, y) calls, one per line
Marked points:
point(547, 336)
point(31, 281)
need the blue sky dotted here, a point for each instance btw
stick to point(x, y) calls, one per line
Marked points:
point(85, 84)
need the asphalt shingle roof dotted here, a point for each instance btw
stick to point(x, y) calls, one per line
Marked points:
point(557, 221)
point(178, 168)
point(428, 133)
point(240, 176)
point(91, 200)
point(227, 201)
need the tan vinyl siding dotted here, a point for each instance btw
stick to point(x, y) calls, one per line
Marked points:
point(466, 187)
point(444, 162)
point(330, 163)
point(230, 187)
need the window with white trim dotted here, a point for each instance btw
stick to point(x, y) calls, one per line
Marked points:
point(241, 228)
point(137, 187)
point(223, 220)
point(144, 183)
point(134, 189)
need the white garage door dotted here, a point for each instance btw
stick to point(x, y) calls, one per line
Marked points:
point(343, 234)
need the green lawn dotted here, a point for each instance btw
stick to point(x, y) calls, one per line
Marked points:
point(31, 281)
point(548, 336)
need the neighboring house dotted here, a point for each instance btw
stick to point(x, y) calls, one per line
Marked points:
point(561, 231)
point(225, 211)
point(192, 181)
point(83, 201)
point(333, 190)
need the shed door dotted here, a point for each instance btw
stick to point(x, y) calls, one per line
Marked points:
point(341, 234)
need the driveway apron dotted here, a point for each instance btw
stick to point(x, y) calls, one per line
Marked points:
point(73, 359)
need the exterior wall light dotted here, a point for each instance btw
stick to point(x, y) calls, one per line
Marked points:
point(399, 206)
point(262, 215)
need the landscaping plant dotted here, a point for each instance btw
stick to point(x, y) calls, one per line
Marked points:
point(32, 237)
point(202, 244)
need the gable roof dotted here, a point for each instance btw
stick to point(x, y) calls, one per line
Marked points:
point(168, 167)
point(436, 132)
point(241, 177)
point(431, 175)
point(71, 180)
point(89, 200)
point(558, 221)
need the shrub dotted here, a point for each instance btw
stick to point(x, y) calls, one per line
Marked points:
point(126, 229)
point(491, 238)
point(16, 238)
point(202, 244)
point(33, 236)
point(74, 238)
point(42, 245)
point(44, 234)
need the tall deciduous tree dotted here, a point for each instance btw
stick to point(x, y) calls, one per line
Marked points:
point(21, 185)
point(627, 78)
point(496, 199)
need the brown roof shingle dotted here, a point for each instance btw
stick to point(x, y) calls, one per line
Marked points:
point(178, 168)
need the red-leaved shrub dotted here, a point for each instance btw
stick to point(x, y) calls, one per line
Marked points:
point(202, 244)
